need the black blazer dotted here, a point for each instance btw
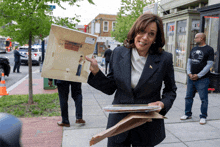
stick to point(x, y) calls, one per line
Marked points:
point(158, 68)
point(107, 55)
point(17, 56)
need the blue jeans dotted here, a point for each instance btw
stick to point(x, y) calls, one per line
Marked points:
point(17, 66)
point(201, 86)
point(76, 93)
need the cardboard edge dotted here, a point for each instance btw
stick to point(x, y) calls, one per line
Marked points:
point(74, 30)
point(113, 130)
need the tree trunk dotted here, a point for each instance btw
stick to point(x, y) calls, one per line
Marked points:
point(30, 100)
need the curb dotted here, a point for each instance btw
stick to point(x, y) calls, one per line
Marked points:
point(19, 82)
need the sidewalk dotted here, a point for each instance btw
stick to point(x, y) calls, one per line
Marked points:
point(179, 133)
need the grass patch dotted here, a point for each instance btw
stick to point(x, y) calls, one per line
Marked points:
point(44, 105)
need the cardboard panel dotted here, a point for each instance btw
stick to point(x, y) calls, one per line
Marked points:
point(63, 59)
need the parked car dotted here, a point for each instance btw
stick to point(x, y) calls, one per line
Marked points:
point(36, 54)
point(4, 66)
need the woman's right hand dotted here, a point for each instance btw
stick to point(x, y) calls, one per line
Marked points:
point(94, 68)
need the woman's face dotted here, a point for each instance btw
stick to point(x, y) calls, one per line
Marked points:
point(145, 38)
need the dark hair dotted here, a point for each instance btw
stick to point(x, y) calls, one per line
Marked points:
point(118, 45)
point(140, 24)
point(81, 56)
point(109, 46)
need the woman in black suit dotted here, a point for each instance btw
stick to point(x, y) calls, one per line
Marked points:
point(137, 71)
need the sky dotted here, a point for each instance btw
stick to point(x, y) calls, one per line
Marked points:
point(88, 11)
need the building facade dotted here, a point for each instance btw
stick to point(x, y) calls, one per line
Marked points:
point(181, 22)
point(102, 25)
point(210, 25)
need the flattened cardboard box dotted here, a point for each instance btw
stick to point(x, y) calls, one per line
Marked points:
point(131, 121)
point(65, 54)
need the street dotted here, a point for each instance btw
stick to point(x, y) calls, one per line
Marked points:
point(15, 77)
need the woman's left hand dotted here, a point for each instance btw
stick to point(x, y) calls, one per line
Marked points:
point(157, 103)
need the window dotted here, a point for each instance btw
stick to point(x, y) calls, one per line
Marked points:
point(97, 27)
point(113, 25)
point(170, 37)
point(211, 30)
point(105, 26)
point(194, 31)
point(181, 44)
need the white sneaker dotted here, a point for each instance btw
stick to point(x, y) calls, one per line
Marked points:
point(184, 117)
point(202, 121)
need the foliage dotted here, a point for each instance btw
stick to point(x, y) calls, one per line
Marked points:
point(128, 13)
point(22, 18)
point(44, 105)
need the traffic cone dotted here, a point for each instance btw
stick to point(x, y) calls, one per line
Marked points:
point(3, 86)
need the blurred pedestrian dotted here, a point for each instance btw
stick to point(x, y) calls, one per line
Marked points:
point(107, 56)
point(198, 69)
point(76, 94)
point(17, 60)
point(137, 71)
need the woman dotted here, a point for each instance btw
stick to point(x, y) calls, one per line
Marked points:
point(137, 71)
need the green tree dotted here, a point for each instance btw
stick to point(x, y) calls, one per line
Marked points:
point(24, 20)
point(128, 13)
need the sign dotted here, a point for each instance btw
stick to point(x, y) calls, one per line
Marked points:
point(195, 24)
point(170, 28)
point(52, 7)
point(181, 26)
point(152, 8)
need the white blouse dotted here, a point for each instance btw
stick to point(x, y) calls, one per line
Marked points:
point(137, 66)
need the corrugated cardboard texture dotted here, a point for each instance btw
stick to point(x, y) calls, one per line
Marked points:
point(62, 59)
point(131, 121)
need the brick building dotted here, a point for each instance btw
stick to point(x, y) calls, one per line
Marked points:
point(80, 28)
point(102, 25)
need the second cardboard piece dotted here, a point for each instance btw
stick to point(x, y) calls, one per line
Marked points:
point(131, 121)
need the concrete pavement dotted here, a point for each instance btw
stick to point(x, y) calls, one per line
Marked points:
point(179, 133)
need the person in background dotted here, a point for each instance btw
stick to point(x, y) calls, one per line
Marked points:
point(107, 56)
point(198, 69)
point(76, 93)
point(137, 72)
point(17, 60)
